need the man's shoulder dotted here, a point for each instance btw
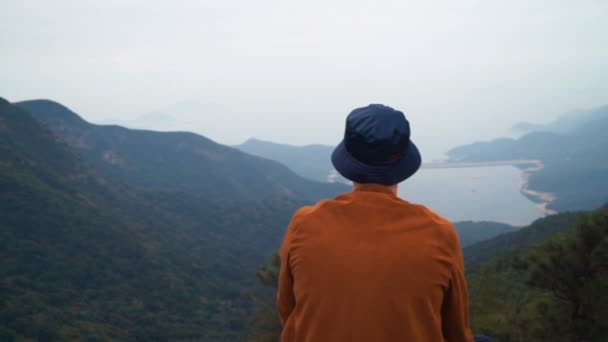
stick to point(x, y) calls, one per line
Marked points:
point(427, 217)
point(430, 214)
point(434, 220)
point(310, 210)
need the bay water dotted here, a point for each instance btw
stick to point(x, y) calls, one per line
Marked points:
point(490, 193)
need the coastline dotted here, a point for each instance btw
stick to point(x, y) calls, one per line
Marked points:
point(543, 199)
point(527, 166)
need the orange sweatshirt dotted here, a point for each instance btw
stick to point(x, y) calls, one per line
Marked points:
point(370, 267)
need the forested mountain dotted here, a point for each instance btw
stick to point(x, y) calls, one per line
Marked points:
point(311, 161)
point(534, 234)
point(176, 161)
point(555, 291)
point(85, 256)
point(575, 166)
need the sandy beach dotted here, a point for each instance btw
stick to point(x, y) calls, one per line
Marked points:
point(543, 199)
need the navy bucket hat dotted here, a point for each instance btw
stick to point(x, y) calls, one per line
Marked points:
point(376, 147)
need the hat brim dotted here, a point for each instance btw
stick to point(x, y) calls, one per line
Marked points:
point(356, 171)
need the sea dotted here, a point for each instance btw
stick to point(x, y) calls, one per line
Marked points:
point(485, 193)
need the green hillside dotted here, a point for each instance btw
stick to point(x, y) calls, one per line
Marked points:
point(552, 292)
point(176, 161)
point(526, 237)
point(86, 257)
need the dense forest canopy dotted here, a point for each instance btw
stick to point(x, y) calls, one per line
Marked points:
point(85, 255)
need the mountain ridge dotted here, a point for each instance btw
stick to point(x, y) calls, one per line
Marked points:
point(565, 123)
point(312, 161)
point(176, 160)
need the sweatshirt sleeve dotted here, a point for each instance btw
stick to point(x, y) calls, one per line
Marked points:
point(455, 310)
point(285, 296)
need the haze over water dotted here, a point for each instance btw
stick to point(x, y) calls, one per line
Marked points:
point(478, 193)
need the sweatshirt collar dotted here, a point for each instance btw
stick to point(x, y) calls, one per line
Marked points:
point(373, 188)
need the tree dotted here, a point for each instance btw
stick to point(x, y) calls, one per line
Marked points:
point(265, 324)
point(573, 268)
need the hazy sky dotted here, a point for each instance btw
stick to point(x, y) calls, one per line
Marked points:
point(290, 71)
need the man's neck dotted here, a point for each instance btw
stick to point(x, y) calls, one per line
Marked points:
point(393, 188)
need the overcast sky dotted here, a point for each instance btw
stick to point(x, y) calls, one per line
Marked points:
point(291, 71)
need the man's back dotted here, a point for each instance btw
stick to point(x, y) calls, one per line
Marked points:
point(368, 266)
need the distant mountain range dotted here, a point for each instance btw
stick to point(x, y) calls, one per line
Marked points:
point(566, 123)
point(310, 161)
point(571, 150)
point(156, 121)
point(575, 163)
point(186, 116)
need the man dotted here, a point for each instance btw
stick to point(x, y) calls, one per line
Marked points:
point(368, 266)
